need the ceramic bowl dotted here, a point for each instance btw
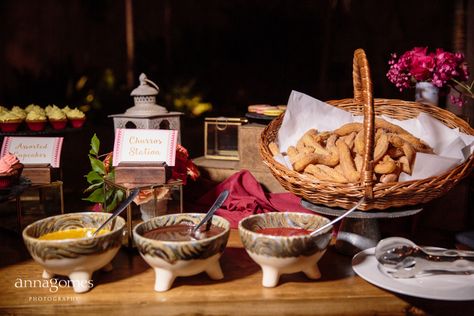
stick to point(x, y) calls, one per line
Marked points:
point(76, 258)
point(278, 255)
point(171, 259)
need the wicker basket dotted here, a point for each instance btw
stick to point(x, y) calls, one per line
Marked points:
point(378, 195)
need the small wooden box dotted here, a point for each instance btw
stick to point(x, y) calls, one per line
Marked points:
point(249, 152)
point(40, 173)
point(141, 172)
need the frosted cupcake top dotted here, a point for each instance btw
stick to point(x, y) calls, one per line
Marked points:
point(19, 111)
point(50, 108)
point(7, 162)
point(75, 114)
point(33, 108)
point(10, 117)
point(35, 116)
point(56, 115)
point(66, 109)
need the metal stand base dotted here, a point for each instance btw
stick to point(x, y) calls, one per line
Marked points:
point(359, 230)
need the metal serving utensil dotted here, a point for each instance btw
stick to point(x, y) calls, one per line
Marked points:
point(337, 219)
point(122, 206)
point(404, 259)
point(208, 218)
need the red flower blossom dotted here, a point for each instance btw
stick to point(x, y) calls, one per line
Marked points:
point(184, 166)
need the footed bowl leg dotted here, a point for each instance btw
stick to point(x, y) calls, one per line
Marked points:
point(312, 272)
point(81, 281)
point(47, 275)
point(214, 270)
point(163, 280)
point(271, 276)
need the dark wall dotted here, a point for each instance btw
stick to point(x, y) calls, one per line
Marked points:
point(238, 52)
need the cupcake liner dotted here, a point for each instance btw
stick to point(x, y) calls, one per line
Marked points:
point(77, 123)
point(36, 126)
point(58, 124)
point(5, 182)
point(8, 127)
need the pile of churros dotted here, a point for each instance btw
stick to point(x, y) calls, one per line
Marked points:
point(337, 156)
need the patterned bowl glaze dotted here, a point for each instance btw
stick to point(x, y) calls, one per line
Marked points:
point(171, 259)
point(75, 258)
point(278, 255)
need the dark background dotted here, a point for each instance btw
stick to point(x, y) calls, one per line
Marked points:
point(230, 53)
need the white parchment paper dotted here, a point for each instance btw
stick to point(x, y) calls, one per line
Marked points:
point(450, 146)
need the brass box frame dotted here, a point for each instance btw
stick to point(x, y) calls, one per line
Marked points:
point(221, 124)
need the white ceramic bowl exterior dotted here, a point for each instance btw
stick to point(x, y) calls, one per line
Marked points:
point(278, 255)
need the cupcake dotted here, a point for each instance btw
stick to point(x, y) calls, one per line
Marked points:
point(36, 121)
point(57, 119)
point(9, 122)
point(34, 108)
point(76, 117)
point(19, 111)
point(10, 170)
point(51, 108)
point(66, 109)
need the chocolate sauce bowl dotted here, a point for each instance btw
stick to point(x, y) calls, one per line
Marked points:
point(168, 246)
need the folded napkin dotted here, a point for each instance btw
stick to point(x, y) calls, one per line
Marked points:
point(247, 197)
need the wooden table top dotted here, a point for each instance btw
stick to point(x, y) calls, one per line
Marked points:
point(128, 289)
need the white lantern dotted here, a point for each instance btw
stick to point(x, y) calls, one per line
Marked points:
point(145, 113)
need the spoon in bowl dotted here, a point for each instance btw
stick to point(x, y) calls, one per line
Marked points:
point(208, 218)
point(337, 219)
point(117, 211)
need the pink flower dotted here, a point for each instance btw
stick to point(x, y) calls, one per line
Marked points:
point(416, 65)
point(422, 65)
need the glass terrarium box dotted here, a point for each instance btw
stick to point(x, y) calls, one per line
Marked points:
point(221, 137)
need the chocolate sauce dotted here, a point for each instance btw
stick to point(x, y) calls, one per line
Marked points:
point(283, 231)
point(181, 232)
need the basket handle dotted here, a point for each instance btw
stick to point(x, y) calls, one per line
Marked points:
point(363, 94)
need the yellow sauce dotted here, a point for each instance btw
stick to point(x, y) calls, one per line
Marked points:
point(75, 233)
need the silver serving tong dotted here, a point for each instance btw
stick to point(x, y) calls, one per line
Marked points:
point(402, 258)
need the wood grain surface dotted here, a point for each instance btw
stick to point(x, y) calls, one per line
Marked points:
point(128, 290)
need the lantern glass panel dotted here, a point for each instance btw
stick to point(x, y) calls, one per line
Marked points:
point(221, 138)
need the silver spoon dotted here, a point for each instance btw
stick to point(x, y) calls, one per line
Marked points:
point(337, 219)
point(123, 205)
point(208, 218)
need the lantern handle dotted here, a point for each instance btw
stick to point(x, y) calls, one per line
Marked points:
point(153, 84)
point(143, 80)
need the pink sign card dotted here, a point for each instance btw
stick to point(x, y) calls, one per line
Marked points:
point(145, 145)
point(34, 150)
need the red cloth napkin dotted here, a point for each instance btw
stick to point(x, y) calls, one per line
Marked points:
point(247, 197)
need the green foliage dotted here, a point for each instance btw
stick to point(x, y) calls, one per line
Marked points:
point(95, 178)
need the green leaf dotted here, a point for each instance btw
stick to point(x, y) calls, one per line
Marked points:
point(117, 198)
point(93, 177)
point(95, 145)
point(97, 165)
point(97, 196)
point(110, 193)
point(93, 187)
